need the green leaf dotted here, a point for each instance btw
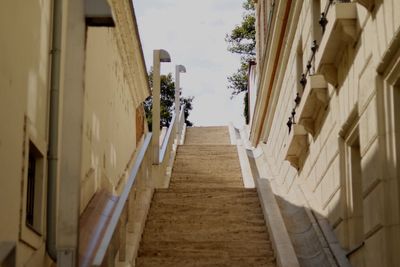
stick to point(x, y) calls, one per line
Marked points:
point(167, 100)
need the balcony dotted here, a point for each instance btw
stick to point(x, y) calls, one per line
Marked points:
point(368, 4)
point(340, 30)
point(297, 146)
point(313, 102)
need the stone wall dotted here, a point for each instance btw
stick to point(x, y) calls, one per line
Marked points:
point(109, 121)
point(352, 132)
point(24, 96)
point(109, 117)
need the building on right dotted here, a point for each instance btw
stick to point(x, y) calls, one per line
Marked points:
point(327, 115)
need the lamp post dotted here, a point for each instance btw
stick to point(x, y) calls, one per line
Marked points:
point(178, 70)
point(159, 56)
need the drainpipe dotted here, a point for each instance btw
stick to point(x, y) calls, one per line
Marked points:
point(52, 157)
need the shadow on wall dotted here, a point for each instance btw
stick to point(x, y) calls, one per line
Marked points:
point(311, 247)
point(355, 213)
point(313, 238)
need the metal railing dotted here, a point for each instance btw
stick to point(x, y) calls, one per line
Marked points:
point(166, 142)
point(113, 241)
point(303, 82)
point(170, 141)
point(181, 126)
point(323, 21)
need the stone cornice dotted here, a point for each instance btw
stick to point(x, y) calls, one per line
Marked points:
point(129, 45)
point(273, 61)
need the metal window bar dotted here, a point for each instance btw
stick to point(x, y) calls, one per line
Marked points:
point(303, 82)
point(303, 79)
point(323, 21)
point(30, 195)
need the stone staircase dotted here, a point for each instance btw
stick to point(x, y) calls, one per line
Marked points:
point(206, 217)
point(206, 166)
point(207, 135)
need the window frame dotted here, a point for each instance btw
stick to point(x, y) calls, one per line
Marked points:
point(33, 235)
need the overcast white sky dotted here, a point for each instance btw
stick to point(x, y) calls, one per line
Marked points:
point(193, 33)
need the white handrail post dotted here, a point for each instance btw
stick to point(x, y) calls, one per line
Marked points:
point(159, 55)
point(178, 70)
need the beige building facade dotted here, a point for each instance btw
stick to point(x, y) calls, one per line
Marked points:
point(99, 84)
point(327, 116)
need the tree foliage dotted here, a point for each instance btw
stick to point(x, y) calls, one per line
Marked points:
point(242, 41)
point(242, 38)
point(167, 100)
point(187, 103)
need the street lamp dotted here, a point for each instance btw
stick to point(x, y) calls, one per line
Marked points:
point(159, 55)
point(178, 70)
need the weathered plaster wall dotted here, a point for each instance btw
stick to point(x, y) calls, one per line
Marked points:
point(24, 90)
point(109, 130)
point(109, 116)
point(324, 175)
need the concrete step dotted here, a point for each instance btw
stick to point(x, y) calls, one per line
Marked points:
point(206, 175)
point(214, 235)
point(220, 261)
point(236, 204)
point(212, 148)
point(255, 219)
point(206, 249)
point(221, 203)
point(216, 196)
point(201, 211)
point(217, 184)
point(202, 191)
point(204, 232)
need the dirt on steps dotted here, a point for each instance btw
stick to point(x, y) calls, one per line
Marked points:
point(206, 217)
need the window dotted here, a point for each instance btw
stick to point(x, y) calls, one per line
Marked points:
point(30, 191)
point(354, 184)
point(34, 190)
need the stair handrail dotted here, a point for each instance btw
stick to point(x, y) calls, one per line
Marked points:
point(167, 138)
point(182, 126)
point(112, 227)
point(181, 120)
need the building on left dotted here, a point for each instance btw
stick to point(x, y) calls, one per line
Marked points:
point(72, 83)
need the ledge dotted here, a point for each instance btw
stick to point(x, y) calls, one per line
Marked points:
point(283, 247)
point(340, 31)
point(297, 145)
point(313, 101)
point(368, 4)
